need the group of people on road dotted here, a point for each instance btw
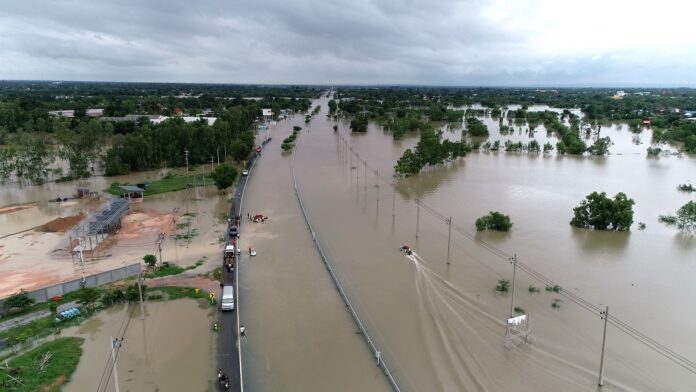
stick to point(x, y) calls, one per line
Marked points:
point(223, 379)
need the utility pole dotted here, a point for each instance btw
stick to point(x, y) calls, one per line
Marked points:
point(140, 291)
point(417, 215)
point(357, 172)
point(82, 265)
point(186, 155)
point(365, 166)
point(212, 162)
point(115, 343)
point(218, 154)
point(514, 272)
point(605, 316)
point(449, 237)
point(159, 246)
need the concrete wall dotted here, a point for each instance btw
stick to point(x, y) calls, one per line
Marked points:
point(46, 293)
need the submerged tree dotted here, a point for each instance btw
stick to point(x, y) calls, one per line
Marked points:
point(494, 221)
point(686, 217)
point(599, 212)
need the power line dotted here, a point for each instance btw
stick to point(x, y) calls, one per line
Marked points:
point(576, 299)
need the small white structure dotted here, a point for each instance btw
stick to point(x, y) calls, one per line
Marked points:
point(517, 330)
point(267, 112)
point(187, 119)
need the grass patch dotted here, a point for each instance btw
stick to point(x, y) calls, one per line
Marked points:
point(172, 293)
point(217, 274)
point(167, 269)
point(170, 183)
point(37, 373)
point(39, 328)
point(519, 310)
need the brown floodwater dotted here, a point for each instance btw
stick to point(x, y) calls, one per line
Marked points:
point(300, 336)
point(441, 327)
point(172, 349)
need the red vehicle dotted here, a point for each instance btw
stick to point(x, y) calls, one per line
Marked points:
point(258, 149)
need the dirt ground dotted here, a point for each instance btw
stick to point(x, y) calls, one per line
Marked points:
point(146, 223)
point(16, 207)
point(61, 224)
point(40, 258)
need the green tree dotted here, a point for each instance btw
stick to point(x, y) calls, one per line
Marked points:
point(359, 124)
point(476, 127)
point(19, 301)
point(408, 164)
point(87, 296)
point(494, 221)
point(150, 260)
point(239, 150)
point(686, 217)
point(601, 146)
point(132, 293)
point(224, 176)
point(602, 213)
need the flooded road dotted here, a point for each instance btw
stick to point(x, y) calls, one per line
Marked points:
point(173, 349)
point(443, 327)
point(300, 336)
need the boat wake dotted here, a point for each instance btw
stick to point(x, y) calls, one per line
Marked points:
point(466, 344)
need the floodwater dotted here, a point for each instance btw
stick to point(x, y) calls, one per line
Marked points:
point(300, 336)
point(442, 327)
point(172, 349)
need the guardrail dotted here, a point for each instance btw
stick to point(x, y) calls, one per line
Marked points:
point(380, 361)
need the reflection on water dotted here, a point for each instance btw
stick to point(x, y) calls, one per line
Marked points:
point(596, 241)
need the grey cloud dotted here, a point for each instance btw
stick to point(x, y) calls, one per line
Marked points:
point(456, 42)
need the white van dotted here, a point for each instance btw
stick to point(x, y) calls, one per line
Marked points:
point(227, 302)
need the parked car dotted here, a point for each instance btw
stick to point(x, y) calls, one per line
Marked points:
point(245, 172)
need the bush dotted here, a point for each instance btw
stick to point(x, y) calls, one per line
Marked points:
point(19, 301)
point(150, 260)
point(503, 286)
point(686, 188)
point(111, 297)
point(132, 294)
point(494, 221)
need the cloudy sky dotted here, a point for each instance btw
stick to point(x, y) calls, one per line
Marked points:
point(427, 42)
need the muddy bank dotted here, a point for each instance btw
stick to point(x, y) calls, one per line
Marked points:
point(61, 224)
point(16, 207)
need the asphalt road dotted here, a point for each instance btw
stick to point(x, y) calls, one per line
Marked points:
point(228, 349)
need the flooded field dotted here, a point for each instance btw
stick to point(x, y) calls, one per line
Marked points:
point(300, 336)
point(442, 327)
point(172, 349)
point(31, 258)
